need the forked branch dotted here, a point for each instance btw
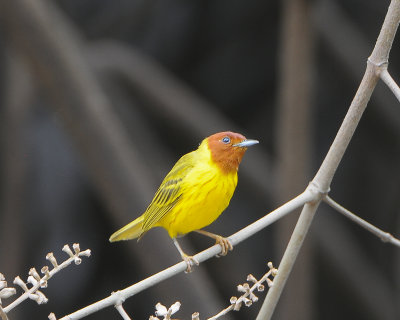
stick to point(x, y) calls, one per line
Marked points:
point(324, 176)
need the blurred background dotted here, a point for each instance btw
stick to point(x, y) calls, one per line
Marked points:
point(99, 99)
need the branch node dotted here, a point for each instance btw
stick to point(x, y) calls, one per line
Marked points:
point(378, 67)
point(317, 191)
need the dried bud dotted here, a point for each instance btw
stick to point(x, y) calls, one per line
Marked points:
point(43, 284)
point(34, 273)
point(39, 297)
point(52, 316)
point(196, 316)
point(50, 256)
point(251, 278)
point(32, 281)
point(76, 248)
point(85, 253)
point(3, 284)
point(68, 250)
point(77, 260)
point(261, 287)
point(253, 297)
point(241, 288)
point(45, 271)
point(161, 310)
point(237, 305)
point(7, 292)
point(233, 300)
point(247, 302)
point(175, 307)
point(18, 281)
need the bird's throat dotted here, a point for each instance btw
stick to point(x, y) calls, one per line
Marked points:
point(227, 160)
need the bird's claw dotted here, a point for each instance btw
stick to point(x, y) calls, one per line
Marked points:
point(190, 261)
point(225, 244)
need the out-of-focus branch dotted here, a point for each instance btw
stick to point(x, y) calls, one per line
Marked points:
point(326, 172)
point(294, 132)
point(349, 44)
point(54, 50)
point(15, 115)
point(176, 103)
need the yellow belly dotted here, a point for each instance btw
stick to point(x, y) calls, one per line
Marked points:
point(204, 198)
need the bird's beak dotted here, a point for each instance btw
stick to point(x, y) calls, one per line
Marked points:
point(246, 143)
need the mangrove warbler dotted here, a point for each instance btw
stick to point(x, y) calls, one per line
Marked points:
point(194, 193)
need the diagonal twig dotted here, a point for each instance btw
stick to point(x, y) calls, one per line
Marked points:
point(241, 235)
point(387, 78)
point(384, 236)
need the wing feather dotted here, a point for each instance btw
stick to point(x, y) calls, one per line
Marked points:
point(169, 193)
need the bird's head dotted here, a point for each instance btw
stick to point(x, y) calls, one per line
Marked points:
point(227, 149)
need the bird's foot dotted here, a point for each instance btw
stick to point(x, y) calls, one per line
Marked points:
point(225, 244)
point(190, 261)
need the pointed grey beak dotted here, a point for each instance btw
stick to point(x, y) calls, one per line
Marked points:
point(246, 143)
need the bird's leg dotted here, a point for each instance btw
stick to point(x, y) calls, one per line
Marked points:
point(225, 244)
point(190, 260)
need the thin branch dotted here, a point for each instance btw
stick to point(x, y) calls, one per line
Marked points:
point(248, 297)
point(349, 259)
point(384, 236)
point(122, 311)
point(42, 282)
point(387, 78)
point(3, 315)
point(243, 234)
point(325, 174)
point(293, 144)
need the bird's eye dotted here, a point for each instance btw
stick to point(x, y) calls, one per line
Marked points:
point(226, 140)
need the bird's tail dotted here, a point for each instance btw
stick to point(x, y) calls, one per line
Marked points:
point(130, 231)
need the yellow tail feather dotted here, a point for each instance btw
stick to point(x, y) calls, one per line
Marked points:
point(130, 231)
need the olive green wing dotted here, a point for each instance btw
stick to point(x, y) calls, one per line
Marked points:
point(169, 193)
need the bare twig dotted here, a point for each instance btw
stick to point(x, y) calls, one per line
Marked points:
point(387, 78)
point(3, 315)
point(248, 297)
point(307, 196)
point(384, 236)
point(325, 174)
point(122, 311)
point(354, 264)
point(41, 282)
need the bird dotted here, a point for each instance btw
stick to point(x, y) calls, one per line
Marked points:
point(194, 193)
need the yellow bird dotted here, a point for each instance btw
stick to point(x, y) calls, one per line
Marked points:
point(194, 193)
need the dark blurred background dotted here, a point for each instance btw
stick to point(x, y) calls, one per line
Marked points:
point(100, 98)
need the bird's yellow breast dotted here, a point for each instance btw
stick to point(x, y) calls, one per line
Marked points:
point(206, 192)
